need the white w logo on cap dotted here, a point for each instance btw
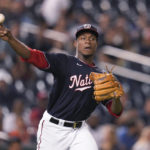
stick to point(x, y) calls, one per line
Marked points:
point(87, 26)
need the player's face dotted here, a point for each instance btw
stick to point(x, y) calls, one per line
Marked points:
point(86, 44)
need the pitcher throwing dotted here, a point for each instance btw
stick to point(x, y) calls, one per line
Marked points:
point(71, 101)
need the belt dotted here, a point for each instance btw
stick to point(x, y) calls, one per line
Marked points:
point(77, 124)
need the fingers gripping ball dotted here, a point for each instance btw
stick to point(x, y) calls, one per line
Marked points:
point(106, 86)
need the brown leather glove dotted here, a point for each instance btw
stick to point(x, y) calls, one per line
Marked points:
point(105, 86)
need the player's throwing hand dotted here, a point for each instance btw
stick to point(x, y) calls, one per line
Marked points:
point(5, 34)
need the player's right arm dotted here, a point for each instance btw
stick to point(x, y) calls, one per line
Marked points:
point(29, 55)
point(20, 48)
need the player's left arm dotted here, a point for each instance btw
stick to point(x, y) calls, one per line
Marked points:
point(115, 107)
point(108, 90)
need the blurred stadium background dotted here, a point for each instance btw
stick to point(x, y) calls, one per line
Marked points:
point(49, 25)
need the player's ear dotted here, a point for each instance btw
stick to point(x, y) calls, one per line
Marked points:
point(97, 44)
point(75, 43)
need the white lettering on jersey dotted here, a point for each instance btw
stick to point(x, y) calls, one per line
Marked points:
point(79, 83)
point(82, 88)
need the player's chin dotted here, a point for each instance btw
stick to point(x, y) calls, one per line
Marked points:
point(88, 55)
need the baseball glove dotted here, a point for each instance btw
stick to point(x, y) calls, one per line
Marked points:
point(106, 86)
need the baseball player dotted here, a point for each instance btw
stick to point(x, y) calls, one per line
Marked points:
point(63, 125)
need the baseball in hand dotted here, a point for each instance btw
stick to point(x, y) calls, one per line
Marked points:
point(2, 18)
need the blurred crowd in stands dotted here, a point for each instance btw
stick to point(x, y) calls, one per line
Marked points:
point(24, 89)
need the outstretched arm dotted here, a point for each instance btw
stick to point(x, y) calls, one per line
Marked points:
point(20, 48)
point(29, 55)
